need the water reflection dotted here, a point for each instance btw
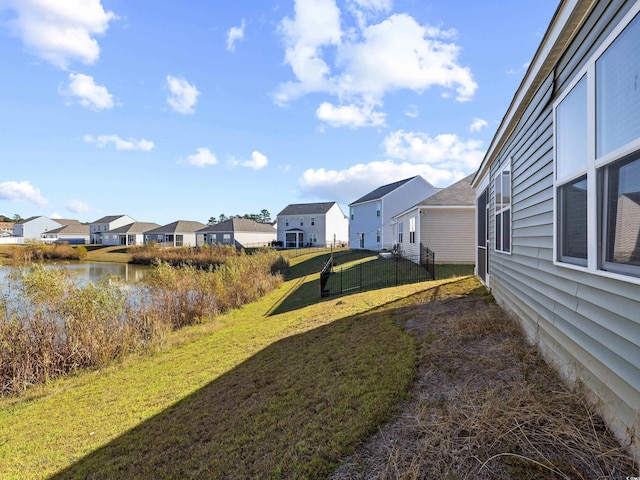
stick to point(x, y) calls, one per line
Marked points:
point(95, 272)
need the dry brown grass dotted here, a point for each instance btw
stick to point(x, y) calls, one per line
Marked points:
point(486, 406)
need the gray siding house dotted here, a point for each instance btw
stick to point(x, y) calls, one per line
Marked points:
point(241, 232)
point(73, 232)
point(181, 233)
point(558, 222)
point(129, 234)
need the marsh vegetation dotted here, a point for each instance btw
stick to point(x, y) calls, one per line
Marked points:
point(50, 324)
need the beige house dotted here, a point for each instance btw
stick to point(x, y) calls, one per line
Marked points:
point(444, 223)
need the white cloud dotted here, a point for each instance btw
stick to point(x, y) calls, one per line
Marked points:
point(445, 151)
point(120, 144)
point(399, 53)
point(21, 192)
point(60, 31)
point(348, 184)
point(478, 124)
point(78, 206)
point(202, 158)
point(233, 35)
point(361, 67)
point(87, 92)
point(412, 111)
point(440, 160)
point(183, 95)
point(350, 115)
point(316, 25)
point(257, 162)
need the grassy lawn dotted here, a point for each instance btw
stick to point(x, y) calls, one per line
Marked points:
point(257, 392)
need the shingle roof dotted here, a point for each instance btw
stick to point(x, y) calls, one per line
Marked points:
point(239, 225)
point(76, 228)
point(109, 219)
point(307, 208)
point(382, 191)
point(179, 226)
point(135, 227)
point(66, 221)
point(25, 220)
point(458, 194)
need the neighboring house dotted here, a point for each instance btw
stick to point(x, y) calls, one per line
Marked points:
point(240, 232)
point(370, 216)
point(6, 229)
point(74, 233)
point(130, 234)
point(181, 233)
point(444, 223)
point(312, 224)
point(557, 205)
point(34, 227)
point(104, 224)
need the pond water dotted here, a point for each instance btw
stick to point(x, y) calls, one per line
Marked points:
point(96, 271)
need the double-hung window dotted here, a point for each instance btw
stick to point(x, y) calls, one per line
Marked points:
point(400, 231)
point(412, 230)
point(502, 207)
point(597, 159)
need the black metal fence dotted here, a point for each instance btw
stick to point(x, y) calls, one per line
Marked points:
point(384, 270)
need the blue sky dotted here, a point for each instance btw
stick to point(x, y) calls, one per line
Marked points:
point(167, 110)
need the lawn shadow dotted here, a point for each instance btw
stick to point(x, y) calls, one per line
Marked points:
point(293, 410)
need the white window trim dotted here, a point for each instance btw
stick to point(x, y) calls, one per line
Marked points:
point(506, 165)
point(594, 244)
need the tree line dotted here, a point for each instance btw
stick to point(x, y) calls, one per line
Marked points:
point(263, 217)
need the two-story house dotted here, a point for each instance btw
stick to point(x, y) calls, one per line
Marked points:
point(312, 224)
point(104, 224)
point(370, 216)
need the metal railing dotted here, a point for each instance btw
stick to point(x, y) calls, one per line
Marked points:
point(385, 270)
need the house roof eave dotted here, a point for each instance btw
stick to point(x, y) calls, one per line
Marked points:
point(566, 21)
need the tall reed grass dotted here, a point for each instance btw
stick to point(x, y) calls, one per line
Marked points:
point(202, 256)
point(39, 252)
point(51, 325)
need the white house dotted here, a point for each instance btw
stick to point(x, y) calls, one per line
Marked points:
point(104, 224)
point(557, 205)
point(241, 232)
point(370, 216)
point(444, 223)
point(129, 234)
point(312, 224)
point(73, 232)
point(181, 233)
point(33, 227)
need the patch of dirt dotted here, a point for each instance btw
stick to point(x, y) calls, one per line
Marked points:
point(485, 406)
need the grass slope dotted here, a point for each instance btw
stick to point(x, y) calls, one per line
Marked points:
point(249, 394)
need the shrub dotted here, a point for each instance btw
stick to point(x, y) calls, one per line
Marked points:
point(50, 325)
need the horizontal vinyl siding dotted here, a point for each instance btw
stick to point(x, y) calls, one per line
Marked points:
point(589, 325)
point(450, 234)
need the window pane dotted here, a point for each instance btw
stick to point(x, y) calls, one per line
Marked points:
point(623, 226)
point(499, 231)
point(571, 132)
point(506, 231)
point(498, 193)
point(506, 188)
point(618, 91)
point(573, 221)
